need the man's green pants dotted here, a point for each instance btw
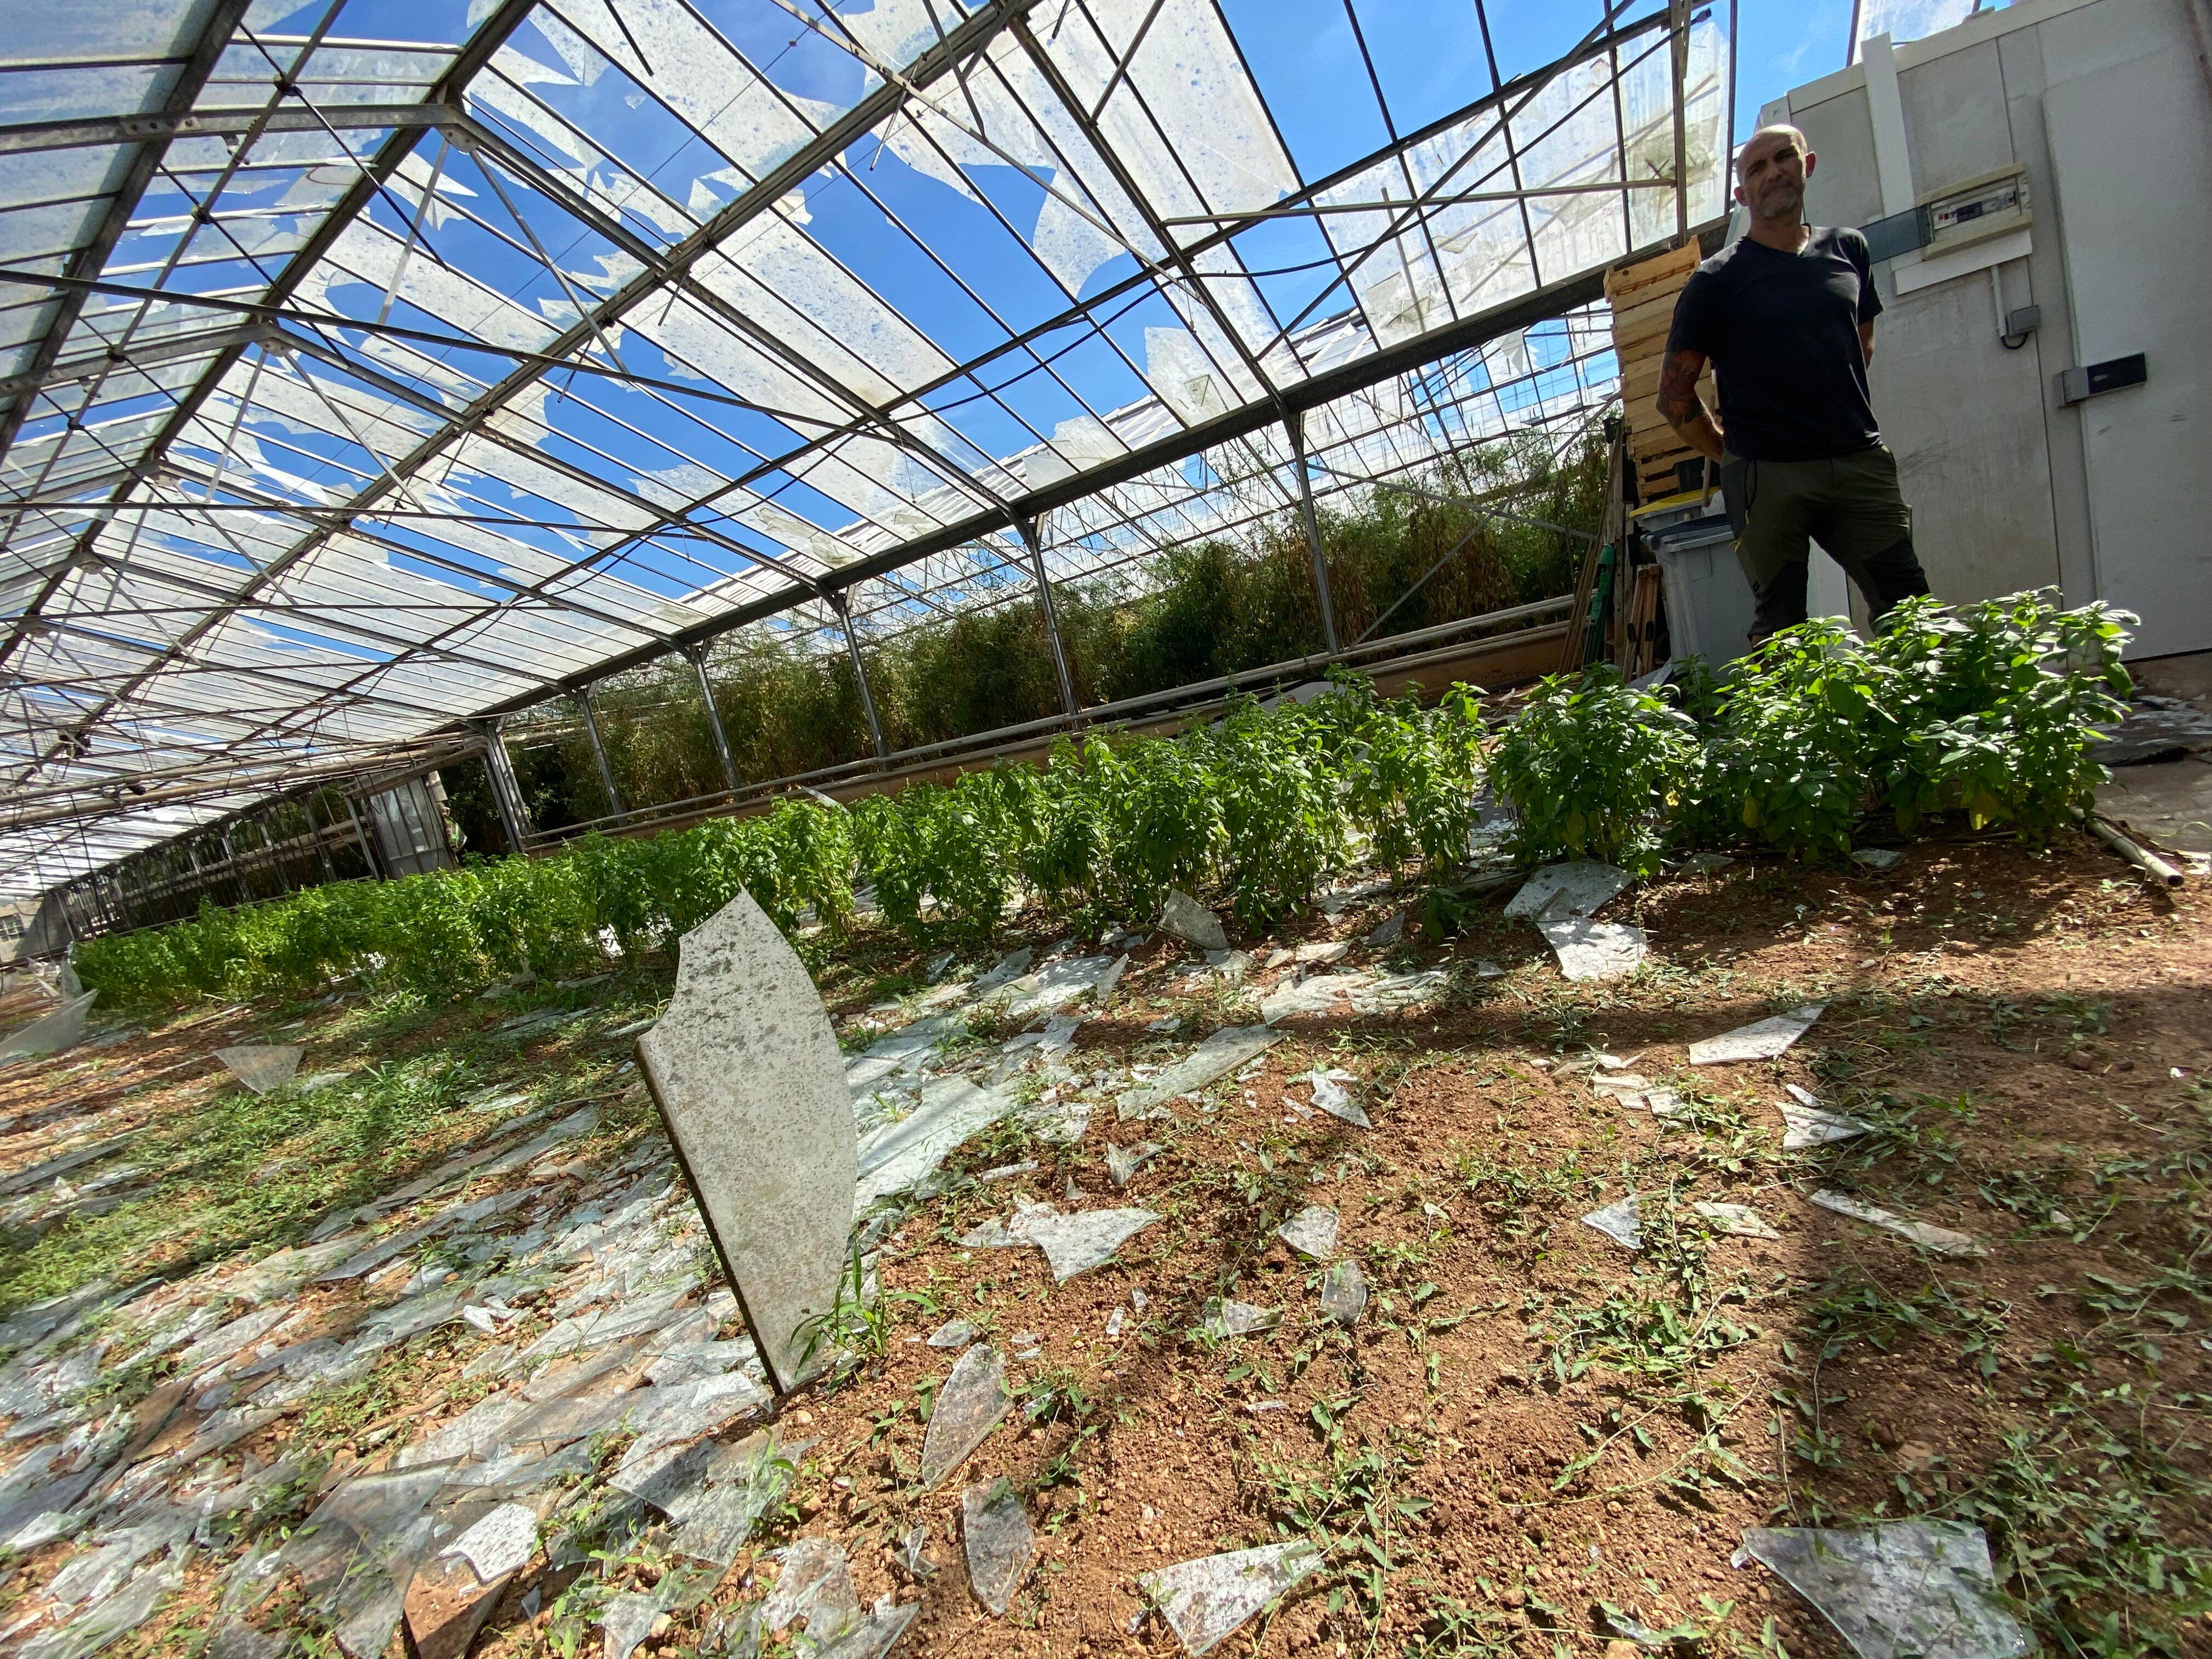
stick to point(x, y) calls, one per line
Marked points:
point(1851, 505)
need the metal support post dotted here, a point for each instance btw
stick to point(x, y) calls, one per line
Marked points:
point(861, 672)
point(698, 656)
point(121, 899)
point(322, 846)
point(230, 858)
point(1678, 21)
point(268, 822)
point(1031, 540)
point(1296, 426)
point(600, 752)
point(368, 847)
point(505, 789)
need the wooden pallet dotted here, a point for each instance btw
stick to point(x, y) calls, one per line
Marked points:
point(1643, 298)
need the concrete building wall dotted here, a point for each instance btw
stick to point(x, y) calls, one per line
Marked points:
point(1997, 467)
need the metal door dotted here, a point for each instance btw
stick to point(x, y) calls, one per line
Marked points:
point(2130, 147)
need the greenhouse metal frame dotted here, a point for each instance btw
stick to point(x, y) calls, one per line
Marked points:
point(358, 393)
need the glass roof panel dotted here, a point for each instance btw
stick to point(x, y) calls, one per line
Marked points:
point(447, 363)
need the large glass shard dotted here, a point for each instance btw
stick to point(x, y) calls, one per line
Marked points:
point(749, 1078)
point(968, 1407)
point(1941, 1240)
point(1622, 1221)
point(1908, 1590)
point(1000, 1542)
point(1071, 1243)
point(1577, 888)
point(814, 1584)
point(1763, 1040)
point(1203, 1600)
point(1219, 1054)
point(262, 1067)
point(1594, 951)
point(1343, 1292)
point(1312, 1232)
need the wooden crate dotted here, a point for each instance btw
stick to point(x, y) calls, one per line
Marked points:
point(1642, 297)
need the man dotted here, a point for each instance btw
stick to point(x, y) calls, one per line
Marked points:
point(1786, 316)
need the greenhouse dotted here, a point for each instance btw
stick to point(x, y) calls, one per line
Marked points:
point(413, 387)
point(866, 828)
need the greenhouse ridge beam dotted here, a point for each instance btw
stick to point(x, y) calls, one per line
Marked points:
point(39, 136)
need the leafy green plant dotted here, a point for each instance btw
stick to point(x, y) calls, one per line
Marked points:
point(1998, 707)
point(1594, 768)
point(1799, 733)
point(1988, 710)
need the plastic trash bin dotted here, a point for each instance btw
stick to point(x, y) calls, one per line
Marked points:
point(1709, 604)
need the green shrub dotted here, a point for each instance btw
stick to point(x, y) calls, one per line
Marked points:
point(1278, 803)
point(1163, 821)
point(1997, 706)
point(1796, 744)
point(1410, 775)
point(1988, 710)
point(1593, 769)
point(1066, 847)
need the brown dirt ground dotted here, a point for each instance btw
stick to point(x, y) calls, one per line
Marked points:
point(1531, 1421)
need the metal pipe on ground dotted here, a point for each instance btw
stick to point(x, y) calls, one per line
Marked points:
point(2141, 857)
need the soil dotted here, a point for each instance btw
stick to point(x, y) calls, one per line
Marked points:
point(1531, 1429)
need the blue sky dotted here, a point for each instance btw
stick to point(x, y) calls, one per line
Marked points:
point(1784, 44)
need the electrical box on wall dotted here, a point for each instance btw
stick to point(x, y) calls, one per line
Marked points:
point(1976, 211)
point(2078, 386)
point(1955, 217)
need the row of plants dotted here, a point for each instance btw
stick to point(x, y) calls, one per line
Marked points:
point(1988, 711)
point(1261, 806)
point(1193, 612)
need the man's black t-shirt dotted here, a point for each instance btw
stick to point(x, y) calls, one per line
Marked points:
point(1782, 333)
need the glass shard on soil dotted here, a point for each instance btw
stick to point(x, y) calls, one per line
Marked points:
point(1941, 1240)
point(1343, 1292)
point(1204, 1600)
point(262, 1069)
point(1908, 1590)
point(968, 1407)
point(1622, 1221)
point(1000, 1542)
point(1578, 888)
point(1765, 1039)
point(1312, 1232)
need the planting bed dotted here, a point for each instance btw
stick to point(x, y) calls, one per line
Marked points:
point(1531, 1436)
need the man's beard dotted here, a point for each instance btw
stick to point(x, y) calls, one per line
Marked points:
point(1783, 201)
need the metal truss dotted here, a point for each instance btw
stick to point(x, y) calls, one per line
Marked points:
point(354, 391)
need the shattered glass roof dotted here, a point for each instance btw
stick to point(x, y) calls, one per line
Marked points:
point(365, 366)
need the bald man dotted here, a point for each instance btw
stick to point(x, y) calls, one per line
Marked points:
point(1785, 315)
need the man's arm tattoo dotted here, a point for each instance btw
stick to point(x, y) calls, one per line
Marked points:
point(1678, 386)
